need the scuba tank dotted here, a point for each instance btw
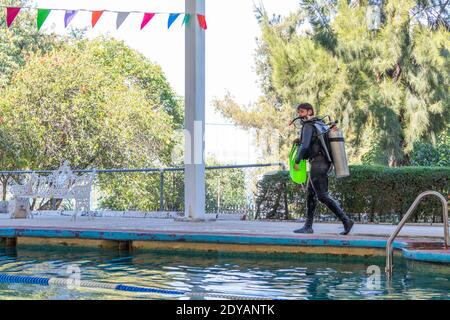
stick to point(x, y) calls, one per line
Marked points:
point(337, 148)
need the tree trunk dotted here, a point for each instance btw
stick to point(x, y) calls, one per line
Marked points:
point(51, 204)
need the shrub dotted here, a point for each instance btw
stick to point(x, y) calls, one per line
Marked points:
point(377, 192)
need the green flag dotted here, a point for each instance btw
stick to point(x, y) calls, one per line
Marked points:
point(186, 19)
point(42, 15)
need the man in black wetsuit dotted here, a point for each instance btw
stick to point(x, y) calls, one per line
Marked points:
point(312, 149)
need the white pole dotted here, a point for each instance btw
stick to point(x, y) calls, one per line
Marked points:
point(194, 180)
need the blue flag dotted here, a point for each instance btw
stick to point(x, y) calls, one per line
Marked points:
point(172, 18)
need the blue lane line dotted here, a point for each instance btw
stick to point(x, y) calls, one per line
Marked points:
point(122, 287)
point(426, 256)
point(203, 238)
point(6, 278)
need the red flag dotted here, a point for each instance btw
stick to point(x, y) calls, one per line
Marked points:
point(202, 21)
point(147, 17)
point(95, 17)
point(11, 14)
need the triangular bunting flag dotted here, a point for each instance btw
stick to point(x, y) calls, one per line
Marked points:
point(70, 14)
point(172, 18)
point(147, 17)
point(202, 21)
point(11, 14)
point(121, 16)
point(95, 17)
point(186, 19)
point(42, 15)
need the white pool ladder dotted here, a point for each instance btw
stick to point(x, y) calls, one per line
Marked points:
point(389, 249)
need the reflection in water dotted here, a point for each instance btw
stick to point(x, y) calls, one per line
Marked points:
point(294, 277)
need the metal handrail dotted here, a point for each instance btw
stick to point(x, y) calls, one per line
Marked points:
point(135, 170)
point(389, 249)
point(161, 172)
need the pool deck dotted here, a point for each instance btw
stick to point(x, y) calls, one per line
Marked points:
point(418, 242)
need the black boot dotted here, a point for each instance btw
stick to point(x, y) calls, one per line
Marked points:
point(305, 229)
point(348, 225)
point(334, 206)
point(311, 203)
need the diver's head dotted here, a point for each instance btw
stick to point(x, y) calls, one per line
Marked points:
point(305, 111)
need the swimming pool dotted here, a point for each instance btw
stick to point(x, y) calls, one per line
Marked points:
point(305, 276)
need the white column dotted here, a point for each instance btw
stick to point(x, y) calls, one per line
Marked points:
point(194, 180)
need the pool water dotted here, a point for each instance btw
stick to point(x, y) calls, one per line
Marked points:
point(303, 276)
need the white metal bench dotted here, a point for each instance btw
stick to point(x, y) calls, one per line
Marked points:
point(60, 184)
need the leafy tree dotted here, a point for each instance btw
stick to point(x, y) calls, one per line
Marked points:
point(117, 58)
point(65, 106)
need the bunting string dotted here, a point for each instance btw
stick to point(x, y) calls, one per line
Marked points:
point(42, 14)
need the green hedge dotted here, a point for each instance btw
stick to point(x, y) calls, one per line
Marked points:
point(381, 194)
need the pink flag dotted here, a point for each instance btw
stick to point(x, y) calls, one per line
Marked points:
point(146, 19)
point(11, 14)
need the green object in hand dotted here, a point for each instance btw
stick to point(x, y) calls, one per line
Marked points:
point(298, 176)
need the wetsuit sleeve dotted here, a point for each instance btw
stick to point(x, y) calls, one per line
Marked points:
point(307, 134)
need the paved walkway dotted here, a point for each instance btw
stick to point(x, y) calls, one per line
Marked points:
point(415, 240)
point(225, 227)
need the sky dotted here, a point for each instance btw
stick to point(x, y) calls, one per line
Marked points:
point(230, 49)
